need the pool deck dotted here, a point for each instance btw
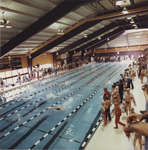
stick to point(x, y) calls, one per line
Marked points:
point(108, 138)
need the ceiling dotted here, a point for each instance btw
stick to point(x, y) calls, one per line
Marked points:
point(36, 25)
point(129, 38)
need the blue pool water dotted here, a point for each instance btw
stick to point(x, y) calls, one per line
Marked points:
point(27, 122)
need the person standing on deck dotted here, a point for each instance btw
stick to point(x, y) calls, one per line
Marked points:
point(121, 89)
point(107, 94)
point(1, 83)
point(107, 99)
point(118, 113)
point(128, 99)
point(103, 111)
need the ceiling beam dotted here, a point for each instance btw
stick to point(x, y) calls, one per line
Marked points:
point(58, 12)
point(65, 37)
point(116, 15)
point(114, 36)
point(89, 37)
point(121, 23)
point(96, 42)
point(102, 17)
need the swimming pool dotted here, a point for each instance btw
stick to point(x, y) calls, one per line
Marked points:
point(27, 122)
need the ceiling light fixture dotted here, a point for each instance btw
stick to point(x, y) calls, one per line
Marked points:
point(85, 35)
point(119, 3)
point(132, 21)
point(99, 37)
point(4, 23)
point(124, 11)
point(129, 18)
point(8, 26)
point(2, 26)
point(60, 32)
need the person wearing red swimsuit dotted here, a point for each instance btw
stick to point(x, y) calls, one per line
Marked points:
point(117, 116)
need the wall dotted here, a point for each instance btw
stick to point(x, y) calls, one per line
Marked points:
point(43, 59)
point(121, 49)
point(4, 70)
point(24, 61)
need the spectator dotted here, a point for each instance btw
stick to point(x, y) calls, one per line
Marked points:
point(1, 83)
point(19, 78)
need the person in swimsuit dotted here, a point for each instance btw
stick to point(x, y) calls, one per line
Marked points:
point(118, 113)
point(128, 99)
point(103, 110)
point(56, 108)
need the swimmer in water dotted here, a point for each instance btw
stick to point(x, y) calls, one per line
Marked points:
point(56, 108)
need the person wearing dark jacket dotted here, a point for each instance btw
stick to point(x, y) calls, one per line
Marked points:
point(107, 98)
point(121, 88)
point(129, 83)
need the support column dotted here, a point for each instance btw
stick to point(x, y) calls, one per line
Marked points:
point(29, 62)
point(54, 59)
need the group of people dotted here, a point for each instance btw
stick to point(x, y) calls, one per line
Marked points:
point(142, 68)
point(123, 104)
point(36, 73)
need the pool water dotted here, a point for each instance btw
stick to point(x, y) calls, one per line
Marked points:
point(29, 121)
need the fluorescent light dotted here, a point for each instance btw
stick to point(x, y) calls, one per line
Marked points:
point(85, 36)
point(129, 18)
point(124, 11)
point(132, 21)
point(60, 32)
point(99, 37)
point(2, 26)
point(8, 26)
point(119, 3)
